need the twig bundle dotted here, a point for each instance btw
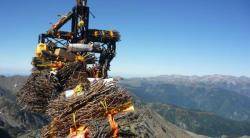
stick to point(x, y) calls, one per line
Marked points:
point(68, 70)
point(86, 108)
point(42, 87)
point(44, 93)
point(37, 92)
point(78, 77)
point(104, 36)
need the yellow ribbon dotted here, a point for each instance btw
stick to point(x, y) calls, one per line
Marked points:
point(78, 89)
point(74, 119)
point(104, 104)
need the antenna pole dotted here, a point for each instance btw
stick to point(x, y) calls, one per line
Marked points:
point(81, 2)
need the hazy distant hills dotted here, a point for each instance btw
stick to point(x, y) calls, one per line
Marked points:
point(240, 85)
point(210, 105)
point(223, 95)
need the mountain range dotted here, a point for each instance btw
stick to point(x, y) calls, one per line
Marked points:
point(211, 106)
point(227, 96)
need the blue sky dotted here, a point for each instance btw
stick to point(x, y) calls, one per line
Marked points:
point(188, 37)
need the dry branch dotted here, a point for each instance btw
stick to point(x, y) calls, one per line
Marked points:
point(87, 108)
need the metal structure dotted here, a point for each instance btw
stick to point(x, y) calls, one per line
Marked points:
point(103, 41)
point(70, 84)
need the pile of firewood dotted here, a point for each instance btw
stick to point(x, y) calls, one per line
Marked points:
point(91, 109)
point(37, 92)
point(42, 86)
point(68, 70)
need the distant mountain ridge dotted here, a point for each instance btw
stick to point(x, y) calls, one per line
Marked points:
point(216, 93)
point(206, 105)
point(240, 84)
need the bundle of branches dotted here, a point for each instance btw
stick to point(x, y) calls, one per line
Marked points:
point(67, 71)
point(78, 77)
point(92, 106)
point(104, 35)
point(38, 91)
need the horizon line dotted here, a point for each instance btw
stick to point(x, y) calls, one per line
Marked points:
point(139, 76)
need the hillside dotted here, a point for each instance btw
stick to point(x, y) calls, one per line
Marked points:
point(191, 94)
point(201, 122)
point(15, 121)
point(12, 84)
